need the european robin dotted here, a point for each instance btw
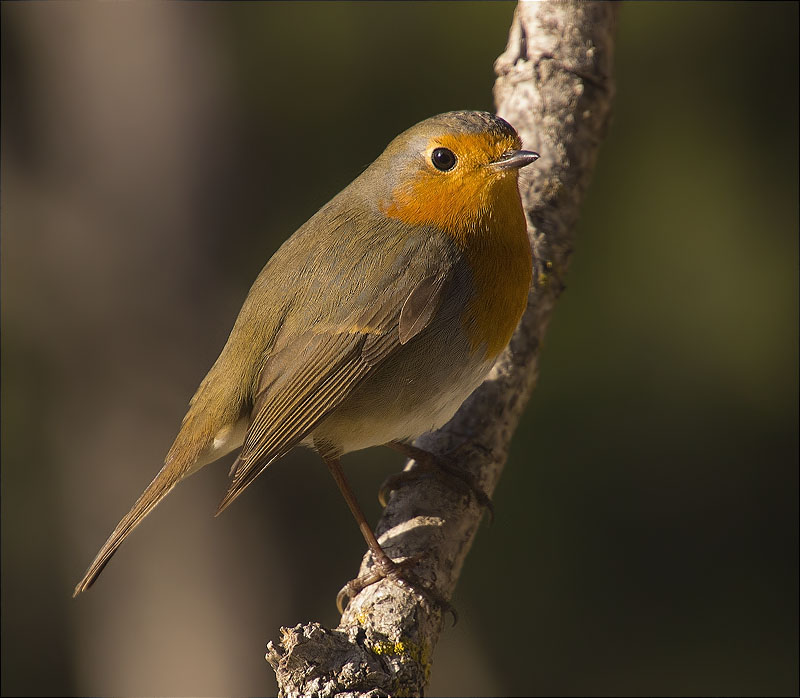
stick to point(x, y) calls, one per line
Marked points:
point(373, 322)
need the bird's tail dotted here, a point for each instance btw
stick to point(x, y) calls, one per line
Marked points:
point(160, 487)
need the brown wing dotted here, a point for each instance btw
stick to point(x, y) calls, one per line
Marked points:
point(308, 376)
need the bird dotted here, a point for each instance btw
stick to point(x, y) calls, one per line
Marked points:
point(372, 323)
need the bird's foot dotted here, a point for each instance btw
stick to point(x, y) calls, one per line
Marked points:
point(398, 573)
point(444, 465)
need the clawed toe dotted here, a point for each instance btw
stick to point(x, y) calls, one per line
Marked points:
point(398, 573)
point(352, 588)
point(396, 481)
point(427, 462)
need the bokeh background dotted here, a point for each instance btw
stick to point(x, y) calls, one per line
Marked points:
point(154, 155)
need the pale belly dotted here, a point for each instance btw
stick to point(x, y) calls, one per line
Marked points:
point(417, 389)
point(377, 416)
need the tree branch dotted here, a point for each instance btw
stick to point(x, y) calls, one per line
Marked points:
point(555, 86)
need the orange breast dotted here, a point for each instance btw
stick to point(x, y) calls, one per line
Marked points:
point(481, 210)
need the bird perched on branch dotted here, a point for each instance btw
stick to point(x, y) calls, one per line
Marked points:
point(372, 323)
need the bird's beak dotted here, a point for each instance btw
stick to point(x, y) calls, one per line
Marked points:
point(515, 159)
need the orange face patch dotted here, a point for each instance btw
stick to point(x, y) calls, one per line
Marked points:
point(480, 208)
point(455, 201)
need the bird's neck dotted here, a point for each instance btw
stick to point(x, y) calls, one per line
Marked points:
point(498, 252)
point(486, 221)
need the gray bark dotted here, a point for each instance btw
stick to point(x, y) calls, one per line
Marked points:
point(554, 84)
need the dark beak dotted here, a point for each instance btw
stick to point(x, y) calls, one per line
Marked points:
point(515, 159)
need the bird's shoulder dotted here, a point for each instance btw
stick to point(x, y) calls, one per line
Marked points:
point(348, 258)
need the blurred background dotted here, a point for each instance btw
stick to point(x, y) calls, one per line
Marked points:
point(154, 155)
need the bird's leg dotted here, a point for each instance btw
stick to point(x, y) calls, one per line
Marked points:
point(428, 463)
point(385, 567)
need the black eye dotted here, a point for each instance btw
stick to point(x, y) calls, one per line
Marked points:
point(443, 159)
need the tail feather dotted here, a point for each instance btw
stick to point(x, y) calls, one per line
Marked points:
point(160, 487)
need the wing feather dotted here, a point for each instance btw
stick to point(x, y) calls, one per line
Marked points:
point(308, 377)
point(277, 428)
point(323, 349)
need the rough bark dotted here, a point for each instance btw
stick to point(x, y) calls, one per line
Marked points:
point(555, 86)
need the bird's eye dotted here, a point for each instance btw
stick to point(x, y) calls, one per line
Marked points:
point(443, 159)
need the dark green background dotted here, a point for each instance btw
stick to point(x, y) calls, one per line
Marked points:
point(153, 157)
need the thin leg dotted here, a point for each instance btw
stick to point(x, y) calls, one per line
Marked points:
point(381, 558)
point(385, 567)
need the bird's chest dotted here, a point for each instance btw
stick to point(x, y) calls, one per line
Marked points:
point(501, 277)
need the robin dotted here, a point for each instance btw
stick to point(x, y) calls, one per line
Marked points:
point(372, 323)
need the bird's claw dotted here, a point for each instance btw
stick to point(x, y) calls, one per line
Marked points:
point(397, 573)
point(429, 463)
